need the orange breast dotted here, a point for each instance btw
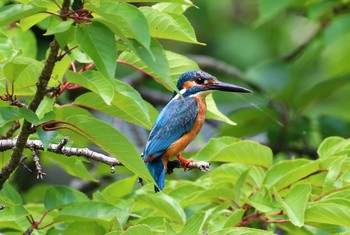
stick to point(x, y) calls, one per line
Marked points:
point(178, 146)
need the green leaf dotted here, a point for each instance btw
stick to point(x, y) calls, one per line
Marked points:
point(113, 142)
point(152, 61)
point(231, 150)
point(94, 81)
point(122, 106)
point(242, 231)
point(239, 185)
point(57, 25)
point(46, 137)
point(333, 146)
point(98, 42)
point(24, 72)
point(14, 12)
point(140, 229)
point(333, 172)
point(8, 114)
point(169, 26)
point(262, 200)
point(9, 196)
point(23, 42)
point(270, 8)
point(194, 224)
point(287, 172)
point(87, 211)
point(175, 8)
point(294, 203)
point(60, 196)
point(29, 115)
point(113, 192)
point(127, 18)
point(77, 228)
point(234, 218)
point(179, 64)
point(73, 166)
point(328, 213)
point(164, 205)
point(13, 213)
point(214, 113)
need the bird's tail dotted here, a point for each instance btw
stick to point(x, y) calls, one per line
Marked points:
point(156, 168)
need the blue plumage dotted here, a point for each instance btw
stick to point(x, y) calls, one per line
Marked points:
point(176, 119)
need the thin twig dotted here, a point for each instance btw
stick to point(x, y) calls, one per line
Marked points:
point(38, 167)
point(15, 126)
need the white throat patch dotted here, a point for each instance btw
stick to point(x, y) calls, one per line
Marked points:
point(182, 91)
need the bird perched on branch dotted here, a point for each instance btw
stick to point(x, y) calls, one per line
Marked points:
point(180, 121)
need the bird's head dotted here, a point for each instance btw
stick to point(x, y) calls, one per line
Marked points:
point(200, 83)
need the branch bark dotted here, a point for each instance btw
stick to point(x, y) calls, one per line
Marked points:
point(89, 154)
point(26, 129)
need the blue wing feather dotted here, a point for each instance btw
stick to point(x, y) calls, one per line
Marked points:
point(175, 120)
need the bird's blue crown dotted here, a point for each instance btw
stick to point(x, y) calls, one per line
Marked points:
point(192, 75)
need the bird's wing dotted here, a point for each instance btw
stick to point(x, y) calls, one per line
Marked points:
point(175, 120)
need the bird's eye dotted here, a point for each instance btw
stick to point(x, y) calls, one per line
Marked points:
point(200, 80)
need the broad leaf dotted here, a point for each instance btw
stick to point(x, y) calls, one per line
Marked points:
point(174, 8)
point(214, 113)
point(247, 152)
point(9, 196)
point(98, 42)
point(140, 229)
point(334, 146)
point(234, 218)
point(14, 12)
point(60, 196)
point(8, 114)
point(294, 203)
point(194, 224)
point(23, 71)
point(163, 204)
point(13, 213)
point(169, 26)
point(94, 81)
point(333, 173)
point(328, 213)
point(113, 142)
point(152, 61)
point(287, 172)
point(57, 25)
point(127, 18)
point(113, 192)
point(29, 115)
point(262, 200)
point(242, 231)
point(88, 211)
point(125, 108)
point(78, 228)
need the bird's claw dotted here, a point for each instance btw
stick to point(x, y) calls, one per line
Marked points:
point(184, 161)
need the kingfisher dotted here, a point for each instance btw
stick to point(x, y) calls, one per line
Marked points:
point(180, 121)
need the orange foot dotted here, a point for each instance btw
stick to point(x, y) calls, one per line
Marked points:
point(184, 161)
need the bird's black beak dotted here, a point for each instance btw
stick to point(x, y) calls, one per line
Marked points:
point(223, 86)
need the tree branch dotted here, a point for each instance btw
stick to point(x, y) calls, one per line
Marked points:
point(41, 85)
point(89, 154)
